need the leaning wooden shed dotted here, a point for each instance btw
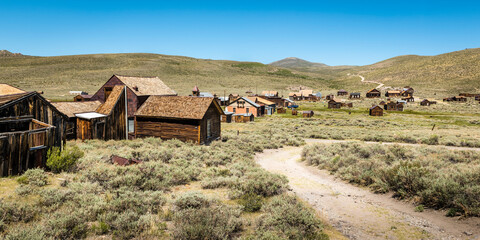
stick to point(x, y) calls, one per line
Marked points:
point(72, 108)
point(109, 121)
point(24, 143)
point(33, 105)
point(190, 119)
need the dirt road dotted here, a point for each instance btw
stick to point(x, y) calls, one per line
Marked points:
point(357, 212)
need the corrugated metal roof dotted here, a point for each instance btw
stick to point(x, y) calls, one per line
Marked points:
point(250, 101)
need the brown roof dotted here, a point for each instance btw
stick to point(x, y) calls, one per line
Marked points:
point(373, 90)
point(176, 107)
point(394, 91)
point(70, 108)
point(376, 106)
point(294, 93)
point(8, 98)
point(261, 100)
point(334, 100)
point(107, 107)
point(6, 89)
point(269, 93)
point(146, 85)
point(306, 93)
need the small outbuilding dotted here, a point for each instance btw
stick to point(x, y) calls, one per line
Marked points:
point(355, 95)
point(189, 119)
point(342, 92)
point(373, 93)
point(334, 104)
point(376, 111)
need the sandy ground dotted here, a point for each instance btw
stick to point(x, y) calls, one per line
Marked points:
point(358, 213)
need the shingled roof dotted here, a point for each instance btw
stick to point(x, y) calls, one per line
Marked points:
point(112, 100)
point(70, 108)
point(142, 86)
point(181, 107)
point(6, 89)
point(4, 99)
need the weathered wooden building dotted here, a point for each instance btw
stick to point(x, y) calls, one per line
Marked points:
point(355, 95)
point(109, 121)
point(226, 117)
point(334, 104)
point(32, 104)
point(307, 114)
point(70, 109)
point(243, 118)
point(393, 106)
point(330, 97)
point(138, 90)
point(393, 93)
point(426, 102)
point(409, 99)
point(376, 111)
point(342, 92)
point(24, 143)
point(373, 93)
point(455, 99)
point(185, 118)
point(407, 91)
point(269, 106)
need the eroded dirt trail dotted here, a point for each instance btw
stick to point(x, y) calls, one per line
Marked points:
point(358, 213)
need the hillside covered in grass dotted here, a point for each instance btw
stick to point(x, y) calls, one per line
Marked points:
point(56, 76)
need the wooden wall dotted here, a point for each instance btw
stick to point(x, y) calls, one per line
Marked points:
point(115, 123)
point(214, 117)
point(21, 150)
point(182, 129)
point(40, 109)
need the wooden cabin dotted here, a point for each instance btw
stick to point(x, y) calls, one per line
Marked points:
point(455, 99)
point(70, 109)
point(109, 121)
point(307, 114)
point(33, 105)
point(355, 95)
point(281, 110)
point(373, 93)
point(342, 92)
point(409, 99)
point(302, 95)
point(427, 102)
point(243, 118)
point(334, 104)
point(243, 105)
point(24, 143)
point(82, 98)
point(376, 111)
point(138, 90)
point(393, 93)
point(393, 106)
point(190, 119)
point(382, 103)
point(407, 91)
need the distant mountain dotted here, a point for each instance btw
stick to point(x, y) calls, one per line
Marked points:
point(293, 62)
point(5, 53)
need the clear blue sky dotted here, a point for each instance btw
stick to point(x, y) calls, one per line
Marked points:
point(332, 32)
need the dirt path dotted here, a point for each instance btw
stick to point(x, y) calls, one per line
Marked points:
point(358, 213)
point(364, 81)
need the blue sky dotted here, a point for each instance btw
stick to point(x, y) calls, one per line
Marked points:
point(331, 32)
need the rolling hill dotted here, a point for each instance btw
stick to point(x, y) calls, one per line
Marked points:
point(293, 62)
point(441, 75)
point(56, 76)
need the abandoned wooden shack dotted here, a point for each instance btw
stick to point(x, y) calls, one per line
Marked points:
point(185, 118)
point(138, 90)
point(302, 95)
point(243, 105)
point(393, 93)
point(307, 114)
point(382, 103)
point(455, 99)
point(376, 111)
point(393, 106)
point(334, 104)
point(468, 94)
point(24, 143)
point(243, 118)
point(32, 104)
point(427, 102)
point(407, 91)
point(355, 95)
point(70, 109)
point(281, 110)
point(373, 93)
point(109, 121)
point(342, 92)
